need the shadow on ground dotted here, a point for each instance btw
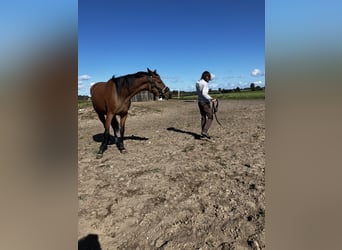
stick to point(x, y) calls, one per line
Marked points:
point(89, 242)
point(99, 138)
point(196, 136)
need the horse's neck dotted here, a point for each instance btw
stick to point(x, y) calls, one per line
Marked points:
point(138, 86)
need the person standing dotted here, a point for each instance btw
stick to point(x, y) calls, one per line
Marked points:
point(204, 101)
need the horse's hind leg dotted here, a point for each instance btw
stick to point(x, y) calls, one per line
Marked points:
point(122, 132)
point(115, 126)
point(106, 135)
point(102, 119)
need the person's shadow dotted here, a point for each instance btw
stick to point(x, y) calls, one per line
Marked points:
point(89, 242)
point(196, 136)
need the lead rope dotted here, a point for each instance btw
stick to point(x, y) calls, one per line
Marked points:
point(215, 109)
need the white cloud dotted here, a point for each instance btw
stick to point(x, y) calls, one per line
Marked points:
point(173, 79)
point(83, 84)
point(257, 72)
point(84, 77)
point(214, 86)
point(80, 85)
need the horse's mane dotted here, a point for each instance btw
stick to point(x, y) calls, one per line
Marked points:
point(127, 80)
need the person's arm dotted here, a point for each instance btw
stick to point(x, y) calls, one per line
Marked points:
point(205, 92)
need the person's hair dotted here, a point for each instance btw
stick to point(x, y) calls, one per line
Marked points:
point(206, 73)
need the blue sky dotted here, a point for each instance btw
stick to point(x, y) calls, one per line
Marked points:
point(178, 38)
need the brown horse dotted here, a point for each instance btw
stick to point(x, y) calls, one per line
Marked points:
point(113, 98)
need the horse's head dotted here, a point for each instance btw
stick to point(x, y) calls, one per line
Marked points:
point(158, 87)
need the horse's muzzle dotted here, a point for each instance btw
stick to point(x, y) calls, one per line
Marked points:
point(165, 93)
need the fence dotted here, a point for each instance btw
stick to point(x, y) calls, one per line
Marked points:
point(143, 96)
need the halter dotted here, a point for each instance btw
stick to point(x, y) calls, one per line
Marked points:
point(154, 85)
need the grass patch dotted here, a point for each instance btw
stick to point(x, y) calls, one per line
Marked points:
point(241, 95)
point(260, 94)
point(84, 104)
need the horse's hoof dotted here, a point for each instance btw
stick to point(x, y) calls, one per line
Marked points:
point(123, 151)
point(99, 156)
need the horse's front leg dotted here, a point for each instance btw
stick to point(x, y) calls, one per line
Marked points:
point(106, 136)
point(122, 132)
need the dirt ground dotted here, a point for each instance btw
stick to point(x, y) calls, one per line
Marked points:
point(173, 189)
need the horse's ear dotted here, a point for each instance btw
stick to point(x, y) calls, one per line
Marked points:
point(149, 71)
point(155, 71)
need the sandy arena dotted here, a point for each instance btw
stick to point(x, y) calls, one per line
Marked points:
point(173, 189)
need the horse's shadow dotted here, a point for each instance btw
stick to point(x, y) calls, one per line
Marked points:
point(196, 136)
point(89, 242)
point(112, 141)
point(99, 138)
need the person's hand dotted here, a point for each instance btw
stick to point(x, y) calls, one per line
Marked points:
point(214, 100)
